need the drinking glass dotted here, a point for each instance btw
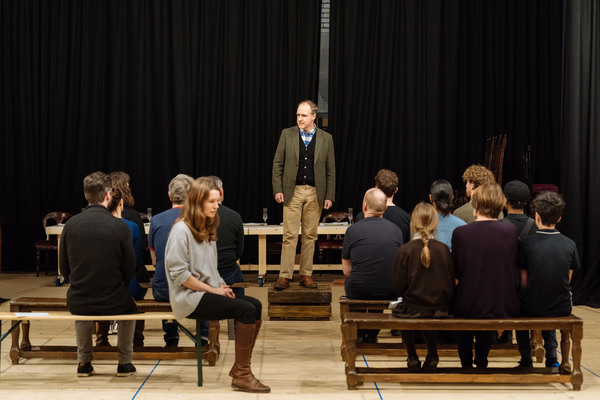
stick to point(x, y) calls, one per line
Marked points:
point(350, 215)
point(265, 215)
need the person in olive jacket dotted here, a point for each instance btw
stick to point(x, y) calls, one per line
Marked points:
point(97, 258)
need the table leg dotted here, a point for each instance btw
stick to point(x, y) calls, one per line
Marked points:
point(262, 258)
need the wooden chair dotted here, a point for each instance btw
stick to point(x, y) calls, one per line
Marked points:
point(494, 155)
point(49, 244)
point(337, 242)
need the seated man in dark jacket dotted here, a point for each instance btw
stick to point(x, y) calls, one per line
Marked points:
point(97, 257)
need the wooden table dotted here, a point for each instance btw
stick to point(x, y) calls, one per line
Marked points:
point(262, 231)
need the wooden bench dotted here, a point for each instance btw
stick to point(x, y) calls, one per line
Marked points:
point(299, 303)
point(571, 328)
point(40, 304)
point(19, 318)
point(397, 348)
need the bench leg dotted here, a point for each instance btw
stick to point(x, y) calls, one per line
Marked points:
point(25, 343)
point(537, 346)
point(15, 352)
point(198, 343)
point(343, 346)
point(351, 333)
point(565, 348)
point(577, 376)
point(231, 329)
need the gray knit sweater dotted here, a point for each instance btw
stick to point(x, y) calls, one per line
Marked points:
point(184, 257)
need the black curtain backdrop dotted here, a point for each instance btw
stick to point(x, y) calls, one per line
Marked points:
point(581, 141)
point(150, 87)
point(418, 86)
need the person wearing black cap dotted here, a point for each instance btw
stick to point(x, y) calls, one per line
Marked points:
point(517, 196)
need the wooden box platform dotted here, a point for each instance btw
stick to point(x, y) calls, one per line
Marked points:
point(299, 303)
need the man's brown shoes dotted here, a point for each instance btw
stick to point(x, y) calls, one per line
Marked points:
point(307, 282)
point(282, 283)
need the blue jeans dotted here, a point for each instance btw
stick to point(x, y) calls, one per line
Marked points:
point(550, 343)
point(137, 292)
point(170, 328)
point(231, 276)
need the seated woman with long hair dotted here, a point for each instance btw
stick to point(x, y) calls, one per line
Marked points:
point(197, 291)
point(485, 258)
point(424, 277)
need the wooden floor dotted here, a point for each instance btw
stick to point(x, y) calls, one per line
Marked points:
point(298, 359)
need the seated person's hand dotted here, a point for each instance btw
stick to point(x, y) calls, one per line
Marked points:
point(225, 290)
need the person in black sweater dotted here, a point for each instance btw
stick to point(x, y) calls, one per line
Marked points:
point(230, 243)
point(387, 181)
point(424, 277)
point(97, 258)
point(120, 181)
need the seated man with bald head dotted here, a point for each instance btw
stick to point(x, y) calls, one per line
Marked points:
point(369, 255)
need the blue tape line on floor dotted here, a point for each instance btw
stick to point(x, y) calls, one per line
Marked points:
point(140, 388)
point(375, 383)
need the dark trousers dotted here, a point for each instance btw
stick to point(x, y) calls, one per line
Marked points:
point(408, 338)
point(212, 307)
point(483, 343)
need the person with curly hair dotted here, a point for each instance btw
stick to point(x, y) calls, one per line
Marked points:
point(474, 176)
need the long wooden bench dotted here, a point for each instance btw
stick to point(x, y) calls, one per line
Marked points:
point(42, 304)
point(397, 349)
point(571, 330)
point(19, 318)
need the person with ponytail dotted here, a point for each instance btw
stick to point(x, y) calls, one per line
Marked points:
point(424, 278)
point(197, 291)
point(440, 196)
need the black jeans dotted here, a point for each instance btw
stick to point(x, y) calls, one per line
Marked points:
point(244, 309)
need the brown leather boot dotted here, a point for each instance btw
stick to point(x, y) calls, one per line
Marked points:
point(243, 379)
point(102, 328)
point(257, 325)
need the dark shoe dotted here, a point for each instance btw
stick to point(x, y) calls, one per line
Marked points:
point(102, 329)
point(243, 379)
point(524, 364)
point(413, 362)
point(552, 363)
point(395, 332)
point(431, 362)
point(85, 369)
point(370, 339)
point(282, 283)
point(307, 282)
point(125, 369)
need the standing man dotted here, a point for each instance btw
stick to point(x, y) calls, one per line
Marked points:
point(97, 257)
point(230, 242)
point(304, 181)
point(160, 226)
